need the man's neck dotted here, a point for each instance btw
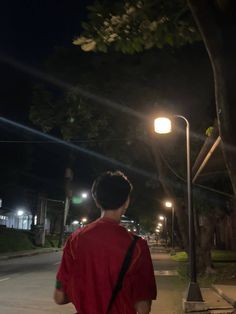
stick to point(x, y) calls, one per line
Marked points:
point(112, 214)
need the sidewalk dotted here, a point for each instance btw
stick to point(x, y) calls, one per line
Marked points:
point(172, 289)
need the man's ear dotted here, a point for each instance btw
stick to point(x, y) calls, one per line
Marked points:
point(126, 204)
point(97, 204)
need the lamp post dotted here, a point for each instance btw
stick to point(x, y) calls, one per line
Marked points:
point(162, 125)
point(164, 228)
point(20, 213)
point(169, 204)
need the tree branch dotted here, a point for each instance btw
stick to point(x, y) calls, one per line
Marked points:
point(205, 15)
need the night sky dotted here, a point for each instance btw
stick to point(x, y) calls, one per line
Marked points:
point(29, 32)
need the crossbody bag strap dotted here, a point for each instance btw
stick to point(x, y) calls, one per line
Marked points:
point(124, 268)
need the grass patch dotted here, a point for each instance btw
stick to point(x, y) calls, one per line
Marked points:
point(15, 240)
point(223, 256)
point(225, 273)
point(51, 241)
point(224, 268)
point(217, 256)
point(180, 257)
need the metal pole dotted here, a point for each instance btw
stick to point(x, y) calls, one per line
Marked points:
point(68, 194)
point(173, 219)
point(194, 292)
point(166, 234)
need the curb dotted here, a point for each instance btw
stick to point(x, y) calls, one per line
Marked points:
point(30, 253)
point(225, 296)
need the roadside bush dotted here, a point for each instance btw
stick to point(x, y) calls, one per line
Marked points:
point(15, 240)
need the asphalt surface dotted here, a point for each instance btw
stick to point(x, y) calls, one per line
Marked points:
point(27, 283)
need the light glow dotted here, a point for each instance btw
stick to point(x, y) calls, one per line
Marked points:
point(168, 204)
point(20, 212)
point(162, 125)
point(84, 195)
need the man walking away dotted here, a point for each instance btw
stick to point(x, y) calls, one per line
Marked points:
point(94, 256)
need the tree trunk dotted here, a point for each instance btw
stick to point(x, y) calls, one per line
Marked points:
point(216, 22)
point(182, 218)
point(207, 225)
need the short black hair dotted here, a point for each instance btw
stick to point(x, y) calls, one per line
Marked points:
point(111, 190)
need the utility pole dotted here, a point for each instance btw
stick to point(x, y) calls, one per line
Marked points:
point(68, 196)
point(41, 221)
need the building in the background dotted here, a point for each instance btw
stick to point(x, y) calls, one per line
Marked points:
point(18, 219)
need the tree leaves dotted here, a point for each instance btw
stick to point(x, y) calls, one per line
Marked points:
point(134, 26)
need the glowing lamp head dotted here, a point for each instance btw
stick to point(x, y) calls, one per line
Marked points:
point(20, 212)
point(75, 222)
point(84, 195)
point(168, 204)
point(162, 125)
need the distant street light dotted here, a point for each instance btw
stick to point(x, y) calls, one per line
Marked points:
point(163, 125)
point(169, 204)
point(79, 198)
point(84, 195)
point(75, 222)
point(84, 219)
point(164, 219)
point(20, 212)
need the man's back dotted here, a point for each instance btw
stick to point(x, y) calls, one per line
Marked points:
point(94, 256)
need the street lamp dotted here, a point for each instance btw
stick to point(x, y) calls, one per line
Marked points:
point(84, 195)
point(164, 219)
point(168, 204)
point(20, 212)
point(162, 125)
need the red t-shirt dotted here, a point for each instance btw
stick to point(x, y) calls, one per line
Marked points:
point(90, 265)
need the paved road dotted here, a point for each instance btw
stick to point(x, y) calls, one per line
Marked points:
point(26, 285)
